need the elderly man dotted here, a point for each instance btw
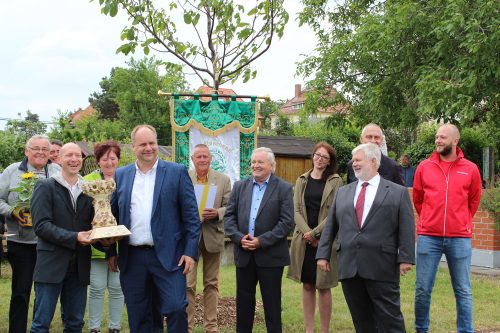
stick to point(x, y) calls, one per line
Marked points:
point(388, 168)
point(446, 194)
point(373, 222)
point(212, 238)
point(259, 216)
point(21, 247)
point(62, 217)
point(155, 200)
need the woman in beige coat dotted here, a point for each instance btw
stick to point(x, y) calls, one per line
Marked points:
point(313, 195)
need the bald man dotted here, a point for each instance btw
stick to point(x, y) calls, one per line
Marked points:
point(62, 217)
point(388, 169)
point(446, 195)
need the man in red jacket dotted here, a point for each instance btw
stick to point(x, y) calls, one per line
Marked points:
point(446, 194)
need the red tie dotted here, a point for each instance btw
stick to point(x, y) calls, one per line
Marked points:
point(360, 203)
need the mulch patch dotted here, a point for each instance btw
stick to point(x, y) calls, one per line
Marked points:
point(226, 311)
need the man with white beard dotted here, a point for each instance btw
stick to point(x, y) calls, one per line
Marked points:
point(373, 219)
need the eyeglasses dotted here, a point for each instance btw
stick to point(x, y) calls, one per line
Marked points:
point(323, 157)
point(39, 149)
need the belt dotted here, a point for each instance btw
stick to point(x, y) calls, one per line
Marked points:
point(144, 246)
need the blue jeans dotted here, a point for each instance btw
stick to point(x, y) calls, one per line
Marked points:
point(73, 301)
point(458, 252)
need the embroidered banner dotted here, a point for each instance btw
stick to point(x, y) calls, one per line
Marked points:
point(209, 121)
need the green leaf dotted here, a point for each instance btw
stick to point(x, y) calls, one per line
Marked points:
point(196, 18)
point(187, 18)
point(252, 12)
point(113, 9)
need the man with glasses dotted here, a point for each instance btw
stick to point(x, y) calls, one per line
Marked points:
point(21, 247)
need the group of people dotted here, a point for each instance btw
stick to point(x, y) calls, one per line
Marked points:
point(362, 234)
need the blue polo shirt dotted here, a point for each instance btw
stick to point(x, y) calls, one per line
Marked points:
point(257, 195)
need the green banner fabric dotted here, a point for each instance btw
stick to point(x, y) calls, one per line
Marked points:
point(213, 118)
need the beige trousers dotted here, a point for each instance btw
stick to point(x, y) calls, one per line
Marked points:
point(211, 265)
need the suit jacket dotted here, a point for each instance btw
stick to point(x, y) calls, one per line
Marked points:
point(175, 223)
point(388, 170)
point(272, 225)
point(386, 239)
point(213, 230)
point(57, 223)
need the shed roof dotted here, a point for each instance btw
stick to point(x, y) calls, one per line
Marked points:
point(287, 145)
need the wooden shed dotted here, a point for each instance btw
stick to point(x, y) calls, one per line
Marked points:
point(293, 155)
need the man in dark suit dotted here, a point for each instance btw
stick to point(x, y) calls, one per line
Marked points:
point(259, 216)
point(155, 200)
point(62, 217)
point(373, 220)
point(388, 168)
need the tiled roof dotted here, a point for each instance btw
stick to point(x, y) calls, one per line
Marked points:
point(222, 91)
point(77, 115)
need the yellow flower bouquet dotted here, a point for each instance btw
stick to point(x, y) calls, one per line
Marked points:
point(24, 193)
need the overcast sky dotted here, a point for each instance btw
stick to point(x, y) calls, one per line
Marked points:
point(54, 53)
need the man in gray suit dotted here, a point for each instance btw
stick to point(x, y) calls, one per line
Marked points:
point(373, 220)
point(259, 216)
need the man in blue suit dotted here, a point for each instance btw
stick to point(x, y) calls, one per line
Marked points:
point(155, 200)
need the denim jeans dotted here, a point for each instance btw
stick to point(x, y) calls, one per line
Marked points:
point(100, 279)
point(73, 301)
point(458, 252)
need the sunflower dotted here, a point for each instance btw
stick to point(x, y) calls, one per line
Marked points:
point(27, 175)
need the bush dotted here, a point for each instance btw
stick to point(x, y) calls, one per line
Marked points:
point(11, 149)
point(334, 136)
point(472, 141)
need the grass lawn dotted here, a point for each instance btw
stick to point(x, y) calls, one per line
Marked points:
point(486, 292)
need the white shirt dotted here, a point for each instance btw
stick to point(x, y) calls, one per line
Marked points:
point(74, 190)
point(371, 190)
point(141, 206)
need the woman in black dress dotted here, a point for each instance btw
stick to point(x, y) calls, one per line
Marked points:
point(313, 195)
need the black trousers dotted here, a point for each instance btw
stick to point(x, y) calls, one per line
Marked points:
point(22, 259)
point(374, 305)
point(269, 279)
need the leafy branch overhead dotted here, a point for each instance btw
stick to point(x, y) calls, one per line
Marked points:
point(224, 37)
point(404, 62)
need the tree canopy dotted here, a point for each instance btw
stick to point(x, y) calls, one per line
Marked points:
point(128, 97)
point(217, 39)
point(26, 127)
point(403, 62)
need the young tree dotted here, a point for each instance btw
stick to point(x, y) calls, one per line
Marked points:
point(135, 91)
point(403, 62)
point(224, 39)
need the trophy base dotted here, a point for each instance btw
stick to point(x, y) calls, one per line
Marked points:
point(108, 232)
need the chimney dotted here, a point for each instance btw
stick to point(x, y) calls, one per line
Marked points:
point(298, 90)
